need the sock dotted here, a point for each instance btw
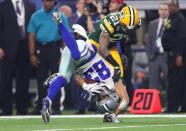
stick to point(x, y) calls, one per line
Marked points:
point(55, 86)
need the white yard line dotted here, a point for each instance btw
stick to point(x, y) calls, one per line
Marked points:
point(98, 116)
point(114, 127)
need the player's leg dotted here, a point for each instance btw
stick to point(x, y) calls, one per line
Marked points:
point(70, 42)
point(56, 82)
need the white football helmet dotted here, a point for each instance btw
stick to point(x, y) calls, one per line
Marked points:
point(80, 30)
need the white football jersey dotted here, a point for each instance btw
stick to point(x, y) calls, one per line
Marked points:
point(90, 64)
point(99, 70)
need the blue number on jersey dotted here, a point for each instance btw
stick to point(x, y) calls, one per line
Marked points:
point(101, 69)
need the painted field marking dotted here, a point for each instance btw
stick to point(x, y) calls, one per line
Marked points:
point(98, 116)
point(114, 127)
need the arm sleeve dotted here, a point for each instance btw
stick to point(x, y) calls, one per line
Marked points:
point(69, 41)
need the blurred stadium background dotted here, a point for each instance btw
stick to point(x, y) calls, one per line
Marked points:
point(72, 106)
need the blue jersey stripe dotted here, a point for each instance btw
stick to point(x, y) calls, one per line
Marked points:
point(93, 54)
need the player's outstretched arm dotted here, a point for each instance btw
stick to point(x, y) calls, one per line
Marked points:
point(67, 36)
point(103, 50)
point(121, 91)
point(93, 89)
point(69, 41)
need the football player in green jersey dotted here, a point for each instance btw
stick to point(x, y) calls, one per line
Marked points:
point(110, 30)
point(107, 33)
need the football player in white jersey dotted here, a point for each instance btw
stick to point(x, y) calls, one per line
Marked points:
point(91, 65)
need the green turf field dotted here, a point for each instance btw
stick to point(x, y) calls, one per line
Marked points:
point(134, 123)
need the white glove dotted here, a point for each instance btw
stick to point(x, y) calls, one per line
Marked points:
point(93, 89)
point(57, 17)
point(80, 30)
point(110, 118)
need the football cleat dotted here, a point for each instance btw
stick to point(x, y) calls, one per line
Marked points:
point(46, 107)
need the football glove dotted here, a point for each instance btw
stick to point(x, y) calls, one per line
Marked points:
point(86, 96)
point(57, 17)
point(112, 118)
point(117, 73)
point(124, 61)
point(93, 89)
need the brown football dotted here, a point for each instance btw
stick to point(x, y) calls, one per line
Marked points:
point(89, 81)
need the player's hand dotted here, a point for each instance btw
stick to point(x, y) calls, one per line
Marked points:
point(34, 60)
point(93, 89)
point(2, 54)
point(86, 96)
point(124, 61)
point(117, 73)
point(110, 118)
point(57, 17)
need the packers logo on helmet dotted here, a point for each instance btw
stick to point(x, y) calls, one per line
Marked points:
point(129, 16)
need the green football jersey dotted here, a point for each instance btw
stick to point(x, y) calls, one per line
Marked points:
point(110, 24)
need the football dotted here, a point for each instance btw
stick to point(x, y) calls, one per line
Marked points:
point(89, 81)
